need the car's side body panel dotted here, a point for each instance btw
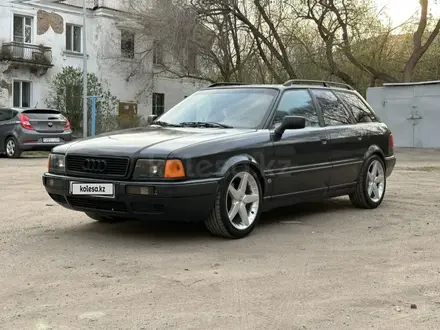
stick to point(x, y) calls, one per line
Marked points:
point(301, 163)
point(214, 158)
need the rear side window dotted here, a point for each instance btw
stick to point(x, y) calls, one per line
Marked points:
point(332, 109)
point(5, 115)
point(297, 102)
point(360, 111)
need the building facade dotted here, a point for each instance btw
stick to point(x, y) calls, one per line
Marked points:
point(40, 37)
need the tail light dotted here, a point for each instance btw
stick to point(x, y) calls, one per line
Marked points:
point(25, 122)
point(391, 141)
point(67, 127)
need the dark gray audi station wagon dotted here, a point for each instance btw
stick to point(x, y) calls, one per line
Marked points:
point(227, 153)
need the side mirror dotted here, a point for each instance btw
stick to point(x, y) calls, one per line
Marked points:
point(151, 118)
point(290, 122)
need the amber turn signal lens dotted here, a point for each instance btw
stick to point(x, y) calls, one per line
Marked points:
point(174, 169)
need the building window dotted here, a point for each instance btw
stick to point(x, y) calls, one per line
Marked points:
point(158, 104)
point(21, 94)
point(23, 29)
point(127, 44)
point(73, 38)
point(157, 53)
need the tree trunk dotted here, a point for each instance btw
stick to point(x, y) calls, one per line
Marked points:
point(418, 49)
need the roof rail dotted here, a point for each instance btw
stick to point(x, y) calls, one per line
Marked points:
point(225, 84)
point(320, 82)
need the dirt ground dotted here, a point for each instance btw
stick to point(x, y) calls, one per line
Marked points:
point(315, 266)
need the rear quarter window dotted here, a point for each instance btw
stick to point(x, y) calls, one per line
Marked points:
point(360, 111)
point(6, 114)
point(332, 109)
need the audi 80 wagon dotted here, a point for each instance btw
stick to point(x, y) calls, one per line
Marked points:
point(31, 129)
point(228, 153)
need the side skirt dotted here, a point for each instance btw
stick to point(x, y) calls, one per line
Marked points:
point(272, 202)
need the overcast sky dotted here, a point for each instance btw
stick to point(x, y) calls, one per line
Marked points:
point(401, 10)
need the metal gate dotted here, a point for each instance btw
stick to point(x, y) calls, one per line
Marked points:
point(412, 111)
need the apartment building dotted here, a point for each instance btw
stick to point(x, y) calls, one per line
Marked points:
point(40, 37)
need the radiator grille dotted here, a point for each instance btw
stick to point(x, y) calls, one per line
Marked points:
point(115, 167)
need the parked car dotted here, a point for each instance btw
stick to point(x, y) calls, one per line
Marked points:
point(228, 153)
point(31, 129)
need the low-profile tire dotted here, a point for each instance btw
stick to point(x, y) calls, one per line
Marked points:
point(372, 183)
point(238, 204)
point(104, 219)
point(12, 149)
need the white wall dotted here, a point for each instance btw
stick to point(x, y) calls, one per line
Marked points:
point(103, 47)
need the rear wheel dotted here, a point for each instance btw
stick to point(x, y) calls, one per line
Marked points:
point(104, 219)
point(12, 148)
point(237, 207)
point(371, 186)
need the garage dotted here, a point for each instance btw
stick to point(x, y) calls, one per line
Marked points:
point(411, 110)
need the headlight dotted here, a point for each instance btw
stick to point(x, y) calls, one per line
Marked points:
point(149, 168)
point(155, 168)
point(56, 163)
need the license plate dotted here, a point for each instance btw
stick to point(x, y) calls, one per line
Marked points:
point(51, 140)
point(92, 189)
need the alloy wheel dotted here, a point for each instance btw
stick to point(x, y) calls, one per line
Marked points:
point(375, 181)
point(242, 200)
point(10, 147)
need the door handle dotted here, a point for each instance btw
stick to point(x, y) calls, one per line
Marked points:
point(323, 139)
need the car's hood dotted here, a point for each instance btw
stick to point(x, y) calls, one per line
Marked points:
point(152, 141)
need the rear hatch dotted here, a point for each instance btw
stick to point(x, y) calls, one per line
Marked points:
point(46, 120)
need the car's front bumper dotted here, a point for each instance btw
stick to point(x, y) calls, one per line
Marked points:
point(185, 201)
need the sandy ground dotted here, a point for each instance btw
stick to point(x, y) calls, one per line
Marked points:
point(316, 266)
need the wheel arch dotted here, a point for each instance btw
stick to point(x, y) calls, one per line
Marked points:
point(246, 160)
point(7, 136)
point(375, 150)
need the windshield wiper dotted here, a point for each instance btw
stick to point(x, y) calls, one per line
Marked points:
point(204, 124)
point(165, 124)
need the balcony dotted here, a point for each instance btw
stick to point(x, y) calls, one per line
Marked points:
point(37, 57)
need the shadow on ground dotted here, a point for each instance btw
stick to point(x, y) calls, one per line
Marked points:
point(178, 232)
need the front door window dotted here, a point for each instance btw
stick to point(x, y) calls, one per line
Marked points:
point(297, 102)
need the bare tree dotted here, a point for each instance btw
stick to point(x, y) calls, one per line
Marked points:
point(343, 23)
point(420, 48)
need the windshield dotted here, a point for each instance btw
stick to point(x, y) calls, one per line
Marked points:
point(243, 108)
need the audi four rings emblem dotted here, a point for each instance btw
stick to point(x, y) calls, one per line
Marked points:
point(94, 165)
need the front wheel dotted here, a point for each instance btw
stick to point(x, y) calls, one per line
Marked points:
point(237, 207)
point(371, 186)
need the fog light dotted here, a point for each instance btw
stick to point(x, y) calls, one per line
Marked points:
point(140, 190)
point(54, 183)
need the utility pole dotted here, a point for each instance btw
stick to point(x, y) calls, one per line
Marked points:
point(85, 99)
